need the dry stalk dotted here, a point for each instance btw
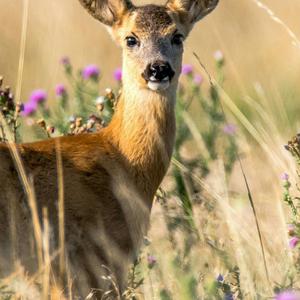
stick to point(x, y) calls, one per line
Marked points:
point(61, 216)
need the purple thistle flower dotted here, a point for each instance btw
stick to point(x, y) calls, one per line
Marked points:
point(90, 71)
point(198, 79)
point(220, 278)
point(118, 74)
point(293, 242)
point(288, 295)
point(29, 109)
point(228, 296)
point(187, 69)
point(60, 90)
point(38, 96)
point(229, 129)
point(65, 61)
point(151, 261)
point(284, 176)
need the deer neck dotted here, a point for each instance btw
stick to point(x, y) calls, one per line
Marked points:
point(143, 130)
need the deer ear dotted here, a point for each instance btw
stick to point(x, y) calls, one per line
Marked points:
point(191, 11)
point(108, 12)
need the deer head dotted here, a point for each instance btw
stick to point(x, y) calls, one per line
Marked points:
point(151, 37)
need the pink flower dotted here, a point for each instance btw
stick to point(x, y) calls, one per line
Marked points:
point(38, 96)
point(151, 261)
point(118, 74)
point(65, 61)
point(90, 72)
point(284, 176)
point(229, 129)
point(29, 109)
point(187, 69)
point(198, 79)
point(60, 90)
point(288, 295)
point(293, 242)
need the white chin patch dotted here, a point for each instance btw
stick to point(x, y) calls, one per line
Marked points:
point(158, 86)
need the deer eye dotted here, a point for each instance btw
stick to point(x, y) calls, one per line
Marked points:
point(131, 41)
point(177, 39)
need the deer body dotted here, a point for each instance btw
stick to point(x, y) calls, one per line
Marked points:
point(110, 177)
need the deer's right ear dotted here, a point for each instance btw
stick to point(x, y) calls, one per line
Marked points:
point(109, 12)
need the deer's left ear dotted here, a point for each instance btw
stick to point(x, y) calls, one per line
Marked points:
point(191, 11)
point(109, 12)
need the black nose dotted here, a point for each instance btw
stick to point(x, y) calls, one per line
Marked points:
point(158, 71)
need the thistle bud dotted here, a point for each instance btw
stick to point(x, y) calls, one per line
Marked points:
point(50, 129)
point(78, 122)
point(41, 123)
point(109, 94)
point(100, 107)
point(90, 123)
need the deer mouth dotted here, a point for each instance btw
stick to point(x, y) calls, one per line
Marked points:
point(158, 85)
point(158, 75)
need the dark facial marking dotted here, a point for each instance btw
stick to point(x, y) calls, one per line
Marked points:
point(152, 18)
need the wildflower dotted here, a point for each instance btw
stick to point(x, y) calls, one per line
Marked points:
point(65, 61)
point(50, 129)
point(151, 261)
point(29, 109)
point(78, 121)
point(100, 103)
point(291, 229)
point(220, 278)
point(219, 56)
point(91, 72)
point(60, 90)
point(198, 79)
point(118, 74)
point(38, 96)
point(228, 296)
point(42, 123)
point(90, 123)
point(293, 242)
point(187, 69)
point(229, 129)
point(109, 94)
point(284, 176)
point(288, 295)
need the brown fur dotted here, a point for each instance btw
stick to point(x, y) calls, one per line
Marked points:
point(110, 178)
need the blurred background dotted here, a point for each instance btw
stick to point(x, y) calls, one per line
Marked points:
point(256, 48)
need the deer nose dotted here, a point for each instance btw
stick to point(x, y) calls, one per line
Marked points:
point(158, 71)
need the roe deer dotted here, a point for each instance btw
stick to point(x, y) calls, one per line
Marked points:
point(110, 178)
